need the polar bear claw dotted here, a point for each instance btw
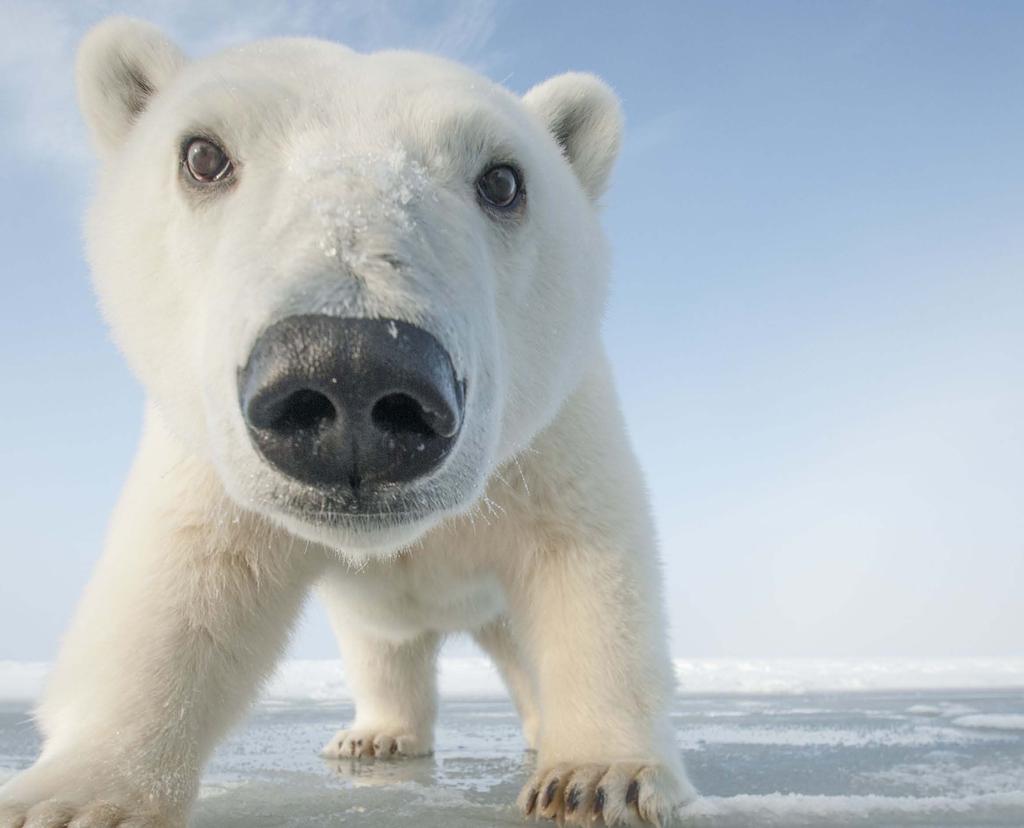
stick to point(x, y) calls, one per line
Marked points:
point(373, 743)
point(617, 794)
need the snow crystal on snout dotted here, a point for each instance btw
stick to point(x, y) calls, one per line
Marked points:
point(357, 193)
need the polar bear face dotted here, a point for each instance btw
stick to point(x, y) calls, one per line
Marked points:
point(287, 207)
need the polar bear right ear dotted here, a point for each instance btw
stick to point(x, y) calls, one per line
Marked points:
point(122, 63)
point(585, 118)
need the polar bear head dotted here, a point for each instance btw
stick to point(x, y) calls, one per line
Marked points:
point(357, 283)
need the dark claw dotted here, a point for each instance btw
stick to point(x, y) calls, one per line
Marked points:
point(572, 799)
point(531, 802)
point(599, 801)
point(632, 793)
point(549, 794)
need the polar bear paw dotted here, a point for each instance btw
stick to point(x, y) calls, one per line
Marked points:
point(375, 743)
point(54, 813)
point(622, 793)
point(71, 793)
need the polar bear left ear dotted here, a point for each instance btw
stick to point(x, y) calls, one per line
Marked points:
point(585, 118)
point(122, 63)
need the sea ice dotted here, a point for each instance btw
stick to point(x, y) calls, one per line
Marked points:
point(825, 758)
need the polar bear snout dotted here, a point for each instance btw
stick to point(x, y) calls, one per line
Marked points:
point(356, 403)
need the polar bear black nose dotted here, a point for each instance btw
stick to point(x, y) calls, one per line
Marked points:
point(351, 401)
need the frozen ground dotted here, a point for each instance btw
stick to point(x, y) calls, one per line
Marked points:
point(794, 748)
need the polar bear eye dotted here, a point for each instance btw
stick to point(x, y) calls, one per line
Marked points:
point(206, 162)
point(499, 186)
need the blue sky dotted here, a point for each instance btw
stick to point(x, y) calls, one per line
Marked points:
point(817, 320)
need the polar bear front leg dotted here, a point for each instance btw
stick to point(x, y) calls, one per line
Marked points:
point(606, 747)
point(393, 684)
point(585, 601)
point(185, 616)
point(499, 642)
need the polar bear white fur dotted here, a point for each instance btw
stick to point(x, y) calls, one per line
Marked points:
point(537, 538)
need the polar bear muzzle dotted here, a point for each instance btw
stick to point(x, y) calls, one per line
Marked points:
point(351, 402)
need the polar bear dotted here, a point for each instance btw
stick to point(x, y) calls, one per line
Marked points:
point(363, 293)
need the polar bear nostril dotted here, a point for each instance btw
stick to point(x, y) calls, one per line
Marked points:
point(402, 414)
point(303, 410)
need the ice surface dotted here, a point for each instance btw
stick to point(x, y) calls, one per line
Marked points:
point(867, 758)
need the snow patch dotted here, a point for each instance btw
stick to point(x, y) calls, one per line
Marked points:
point(697, 737)
point(475, 677)
point(791, 810)
point(948, 710)
point(991, 721)
point(945, 771)
point(816, 675)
